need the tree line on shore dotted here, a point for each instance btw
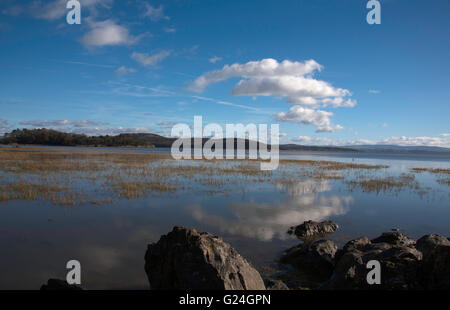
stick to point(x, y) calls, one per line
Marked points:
point(55, 138)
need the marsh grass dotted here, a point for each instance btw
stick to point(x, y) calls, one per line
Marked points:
point(72, 177)
point(385, 184)
point(431, 170)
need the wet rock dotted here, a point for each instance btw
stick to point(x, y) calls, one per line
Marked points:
point(276, 285)
point(316, 257)
point(428, 243)
point(311, 229)
point(188, 259)
point(59, 285)
point(436, 269)
point(399, 266)
point(395, 238)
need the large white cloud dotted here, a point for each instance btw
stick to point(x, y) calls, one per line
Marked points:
point(266, 222)
point(263, 68)
point(291, 80)
point(306, 116)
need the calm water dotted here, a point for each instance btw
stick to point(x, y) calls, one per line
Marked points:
point(37, 239)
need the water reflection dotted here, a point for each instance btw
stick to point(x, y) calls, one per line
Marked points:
point(266, 221)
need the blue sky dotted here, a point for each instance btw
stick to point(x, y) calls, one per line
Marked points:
point(314, 67)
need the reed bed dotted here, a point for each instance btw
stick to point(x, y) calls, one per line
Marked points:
point(70, 177)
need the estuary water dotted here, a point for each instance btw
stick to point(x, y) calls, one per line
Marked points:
point(38, 238)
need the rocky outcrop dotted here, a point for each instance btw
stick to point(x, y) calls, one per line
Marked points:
point(59, 285)
point(311, 229)
point(428, 243)
point(395, 238)
point(436, 264)
point(276, 285)
point(188, 259)
point(316, 257)
point(399, 266)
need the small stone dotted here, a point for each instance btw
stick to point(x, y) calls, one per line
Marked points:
point(311, 229)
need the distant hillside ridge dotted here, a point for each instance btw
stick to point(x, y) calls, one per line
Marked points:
point(52, 137)
point(385, 148)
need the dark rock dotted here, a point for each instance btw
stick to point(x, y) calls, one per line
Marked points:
point(188, 259)
point(395, 238)
point(317, 257)
point(436, 269)
point(276, 285)
point(311, 229)
point(59, 285)
point(428, 243)
point(399, 266)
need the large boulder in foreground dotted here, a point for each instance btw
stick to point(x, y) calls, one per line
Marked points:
point(428, 243)
point(187, 259)
point(436, 265)
point(311, 229)
point(400, 265)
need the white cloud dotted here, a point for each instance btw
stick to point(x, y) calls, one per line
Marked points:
point(374, 91)
point(4, 126)
point(150, 60)
point(266, 222)
point(401, 141)
point(312, 140)
point(291, 80)
point(417, 141)
point(124, 70)
point(264, 68)
point(107, 33)
point(154, 13)
point(306, 116)
point(112, 131)
point(215, 59)
point(58, 123)
point(222, 102)
point(170, 29)
point(445, 135)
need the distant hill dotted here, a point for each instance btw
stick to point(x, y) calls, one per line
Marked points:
point(297, 147)
point(55, 138)
point(398, 149)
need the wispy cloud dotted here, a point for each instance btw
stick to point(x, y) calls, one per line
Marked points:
point(441, 141)
point(312, 140)
point(170, 29)
point(222, 102)
point(154, 13)
point(85, 64)
point(215, 59)
point(124, 70)
point(4, 126)
point(150, 60)
point(55, 123)
point(374, 91)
